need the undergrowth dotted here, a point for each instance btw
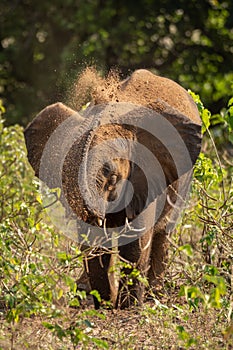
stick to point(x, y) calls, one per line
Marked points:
point(39, 266)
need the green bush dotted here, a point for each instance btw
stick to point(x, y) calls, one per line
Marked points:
point(202, 249)
point(25, 283)
point(38, 268)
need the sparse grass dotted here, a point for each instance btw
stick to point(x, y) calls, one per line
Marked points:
point(155, 326)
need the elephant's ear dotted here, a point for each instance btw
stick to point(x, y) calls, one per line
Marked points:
point(41, 128)
point(168, 144)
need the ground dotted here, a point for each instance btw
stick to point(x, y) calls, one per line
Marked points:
point(159, 324)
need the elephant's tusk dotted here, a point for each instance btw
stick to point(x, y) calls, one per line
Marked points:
point(127, 223)
point(105, 229)
point(100, 222)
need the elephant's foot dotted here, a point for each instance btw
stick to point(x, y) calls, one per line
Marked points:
point(154, 291)
point(83, 283)
point(156, 280)
point(130, 294)
point(127, 299)
point(132, 286)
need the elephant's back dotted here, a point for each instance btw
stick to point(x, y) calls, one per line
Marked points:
point(147, 89)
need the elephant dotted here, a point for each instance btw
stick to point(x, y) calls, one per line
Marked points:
point(124, 164)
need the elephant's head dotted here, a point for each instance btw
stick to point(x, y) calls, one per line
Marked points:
point(119, 156)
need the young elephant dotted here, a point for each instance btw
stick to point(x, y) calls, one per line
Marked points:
point(124, 166)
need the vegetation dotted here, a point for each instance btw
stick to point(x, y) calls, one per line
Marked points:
point(40, 306)
point(43, 47)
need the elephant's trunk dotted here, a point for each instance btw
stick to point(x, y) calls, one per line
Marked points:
point(78, 182)
point(89, 167)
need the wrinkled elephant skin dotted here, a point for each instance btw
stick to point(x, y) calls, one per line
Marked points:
point(124, 166)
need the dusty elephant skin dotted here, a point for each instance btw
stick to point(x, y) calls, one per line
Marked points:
point(124, 166)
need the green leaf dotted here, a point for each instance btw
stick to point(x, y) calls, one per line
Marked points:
point(38, 198)
point(88, 323)
point(205, 115)
point(230, 117)
point(48, 325)
point(100, 343)
point(59, 331)
point(96, 294)
point(230, 138)
point(230, 102)
point(74, 303)
point(218, 281)
point(187, 249)
point(60, 293)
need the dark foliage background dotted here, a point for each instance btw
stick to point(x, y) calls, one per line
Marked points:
point(44, 45)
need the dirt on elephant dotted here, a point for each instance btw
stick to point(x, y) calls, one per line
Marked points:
point(90, 84)
point(90, 87)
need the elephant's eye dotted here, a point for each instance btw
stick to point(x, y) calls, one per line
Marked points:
point(113, 180)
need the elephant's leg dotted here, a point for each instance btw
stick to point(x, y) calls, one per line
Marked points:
point(166, 224)
point(158, 259)
point(131, 289)
point(83, 282)
point(97, 271)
